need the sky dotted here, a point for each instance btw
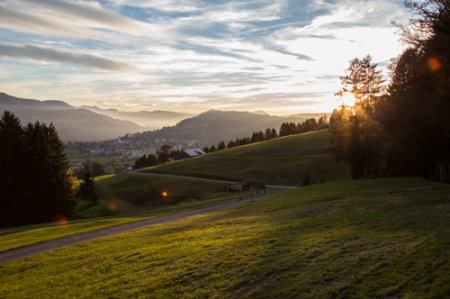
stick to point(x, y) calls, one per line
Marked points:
point(278, 56)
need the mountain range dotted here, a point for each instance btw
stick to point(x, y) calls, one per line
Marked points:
point(72, 124)
point(149, 119)
point(91, 123)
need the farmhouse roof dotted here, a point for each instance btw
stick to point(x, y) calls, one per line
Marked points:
point(192, 152)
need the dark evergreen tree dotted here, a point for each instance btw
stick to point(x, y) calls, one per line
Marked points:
point(87, 189)
point(175, 154)
point(35, 182)
point(363, 145)
point(92, 167)
point(163, 154)
point(415, 114)
point(221, 146)
point(12, 168)
point(231, 144)
point(145, 161)
point(273, 134)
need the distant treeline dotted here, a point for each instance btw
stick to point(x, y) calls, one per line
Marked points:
point(286, 129)
point(404, 128)
point(165, 153)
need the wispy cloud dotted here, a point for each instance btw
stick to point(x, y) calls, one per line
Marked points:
point(53, 55)
point(79, 19)
point(277, 55)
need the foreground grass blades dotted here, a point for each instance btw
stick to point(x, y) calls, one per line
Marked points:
point(377, 238)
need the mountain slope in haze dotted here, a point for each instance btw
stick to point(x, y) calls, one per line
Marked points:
point(214, 126)
point(71, 123)
point(149, 119)
point(286, 160)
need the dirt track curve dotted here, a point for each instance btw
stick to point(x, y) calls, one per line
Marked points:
point(26, 251)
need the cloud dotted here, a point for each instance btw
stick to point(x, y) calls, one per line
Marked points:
point(275, 55)
point(163, 5)
point(53, 55)
point(31, 23)
point(78, 19)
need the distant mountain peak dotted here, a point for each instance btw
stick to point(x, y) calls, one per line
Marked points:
point(261, 112)
point(72, 123)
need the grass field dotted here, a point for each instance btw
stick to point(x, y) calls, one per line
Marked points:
point(283, 160)
point(376, 238)
point(127, 185)
point(129, 193)
point(74, 155)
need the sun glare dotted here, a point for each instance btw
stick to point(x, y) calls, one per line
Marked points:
point(347, 99)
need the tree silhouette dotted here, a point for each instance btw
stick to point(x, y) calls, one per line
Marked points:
point(356, 134)
point(87, 189)
point(35, 184)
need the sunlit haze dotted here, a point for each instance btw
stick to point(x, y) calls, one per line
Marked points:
point(279, 56)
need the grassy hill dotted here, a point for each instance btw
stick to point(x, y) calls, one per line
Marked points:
point(214, 126)
point(131, 193)
point(124, 198)
point(284, 160)
point(376, 238)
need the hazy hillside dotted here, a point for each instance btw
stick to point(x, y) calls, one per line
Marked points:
point(149, 119)
point(71, 123)
point(214, 126)
point(283, 160)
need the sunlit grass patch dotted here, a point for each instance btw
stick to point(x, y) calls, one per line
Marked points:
point(376, 238)
point(283, 160)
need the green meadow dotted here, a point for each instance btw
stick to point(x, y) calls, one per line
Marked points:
point(118, 204)
point(284, 160)
point(374, 238)
point(131, 193)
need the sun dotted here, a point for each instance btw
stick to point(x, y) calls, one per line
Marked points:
point(347, 99)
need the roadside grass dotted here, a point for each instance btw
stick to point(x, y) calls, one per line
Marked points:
point(28, 235)
point(376, 238)
point(284, 160)
point(120, 209)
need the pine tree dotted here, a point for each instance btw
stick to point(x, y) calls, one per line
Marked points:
point(163, 154)
point(35, 184)
point(221, 146)
point(87, 189)
point(360, 144)
point(11, 168)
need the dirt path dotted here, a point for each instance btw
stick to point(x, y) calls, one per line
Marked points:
point(21, 252)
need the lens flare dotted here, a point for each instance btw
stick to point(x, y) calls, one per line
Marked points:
point(113, 206)
point(434, 64)
point(61, 219)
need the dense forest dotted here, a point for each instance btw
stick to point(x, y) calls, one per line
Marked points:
point(401, 127)
point(35, 182)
